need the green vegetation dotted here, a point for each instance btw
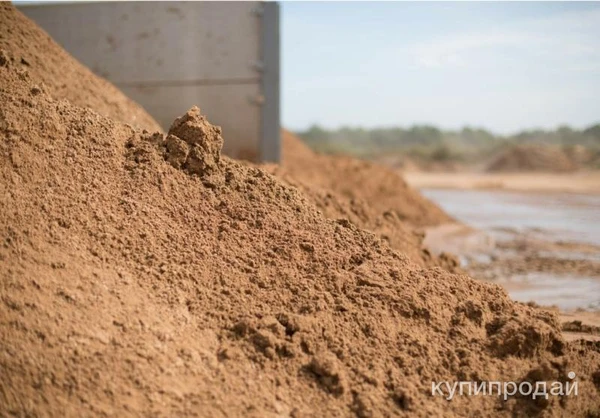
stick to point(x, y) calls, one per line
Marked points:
point(428, 143)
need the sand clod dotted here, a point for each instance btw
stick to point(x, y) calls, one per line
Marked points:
point(194, 144)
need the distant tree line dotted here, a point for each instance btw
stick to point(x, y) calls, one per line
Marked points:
point(431, 143)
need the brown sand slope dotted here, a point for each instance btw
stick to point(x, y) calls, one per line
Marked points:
point(533, 157)
point(387, 226)
point(148, 276)
point(27, 45)
point(382, 188)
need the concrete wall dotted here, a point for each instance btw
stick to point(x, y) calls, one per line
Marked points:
point(169, 56)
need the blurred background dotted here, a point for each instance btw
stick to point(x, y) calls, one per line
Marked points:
point(443, 86)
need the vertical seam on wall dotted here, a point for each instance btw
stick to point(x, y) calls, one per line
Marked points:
point(270, 141)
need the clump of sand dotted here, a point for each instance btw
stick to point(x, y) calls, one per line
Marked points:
point(146, 274)
point(533, 157)
point(27, 45)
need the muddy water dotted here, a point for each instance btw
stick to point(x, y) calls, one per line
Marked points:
point(553, 218)
point(566, 291)
point(561, 217)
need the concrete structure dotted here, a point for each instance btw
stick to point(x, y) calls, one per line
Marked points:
point(169, 56)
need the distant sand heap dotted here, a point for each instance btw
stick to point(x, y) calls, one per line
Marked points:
point(145, 274)
point(533, 157)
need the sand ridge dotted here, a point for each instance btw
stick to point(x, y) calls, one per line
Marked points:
point(382, 188)
point(388, 226)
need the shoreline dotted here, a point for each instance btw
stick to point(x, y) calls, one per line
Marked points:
point(584, 182)
point(466, 240)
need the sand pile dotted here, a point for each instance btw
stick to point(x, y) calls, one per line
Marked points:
point(316, 181)
point(326, 196)
point(143, 274)
point(383, 189)
point(387, 226)
point(579, 154)
point(533, 157)
point(27, 45)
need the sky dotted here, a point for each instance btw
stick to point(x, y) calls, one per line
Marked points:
point(500, 66)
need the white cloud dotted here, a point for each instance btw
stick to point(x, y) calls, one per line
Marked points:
point(571, 34)
point(460, 49)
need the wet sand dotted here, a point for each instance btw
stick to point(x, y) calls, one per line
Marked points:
point(587, 182)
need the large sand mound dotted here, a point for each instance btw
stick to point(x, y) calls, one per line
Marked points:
point(533, 157)
point(144, 275)
point(27, 45)
point(147, 275)
point(382, 188)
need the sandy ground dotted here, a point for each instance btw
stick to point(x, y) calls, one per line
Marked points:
point(579, 182)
